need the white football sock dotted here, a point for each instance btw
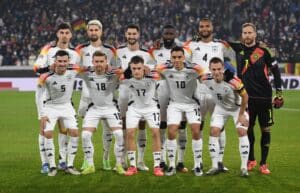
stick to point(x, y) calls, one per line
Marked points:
point(42, 149)
point(72, 150)
point(106, 139)
point(132, 158)
point(244, 151)
point(141, 141)
point(222, 143)
point(119, 145)
point(50, 152)
point(214, 149)
point(156, 157)
point(181, 144)
point(171, 150)
point(88, 147)
point(197, 151)
point(163, 145)
point(63, 147)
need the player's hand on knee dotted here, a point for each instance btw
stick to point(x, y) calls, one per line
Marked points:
point(243, 120)
point(44, 121)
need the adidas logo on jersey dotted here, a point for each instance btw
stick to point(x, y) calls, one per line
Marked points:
point(54, 83)
point(124, 56)
point(211, 88)
point(198, 49)
point(160, 55)
point(87, 54)
point(171, 76)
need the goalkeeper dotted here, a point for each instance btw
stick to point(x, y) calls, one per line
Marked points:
point(253, 64)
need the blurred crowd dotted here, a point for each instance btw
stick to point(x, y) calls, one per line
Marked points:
point(25, 26)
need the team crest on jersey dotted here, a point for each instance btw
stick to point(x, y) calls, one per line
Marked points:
point(214, 48)
point(91, 79)
point(124, 56)
point(171, 76)
point(108, 78)
point(226, 90)
point(187, 77)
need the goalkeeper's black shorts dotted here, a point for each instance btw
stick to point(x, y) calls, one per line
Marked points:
point(261, 108)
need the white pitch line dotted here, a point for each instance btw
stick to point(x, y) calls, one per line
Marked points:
point(290, 109)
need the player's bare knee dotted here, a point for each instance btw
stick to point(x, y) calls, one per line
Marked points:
point(155, 133)
point(48, 134)
point(172, 131)
point(215, 131)
point(73, 132)
point(242, 132)
point(130, 133)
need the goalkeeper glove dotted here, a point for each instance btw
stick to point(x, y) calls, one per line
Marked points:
point(278, 99)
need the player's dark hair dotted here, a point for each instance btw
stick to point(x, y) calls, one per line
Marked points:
point(215, 60)
point(177, 49)
point(205, 19)
point(99, 53)
point(136, 60)
point(169, 26)
point(62, 53)
point(63, 25)
point(133, 26)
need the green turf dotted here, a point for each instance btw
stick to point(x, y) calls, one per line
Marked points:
point(20, 162)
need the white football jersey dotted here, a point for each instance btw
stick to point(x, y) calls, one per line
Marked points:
point(142, 93)
point(101, 87)
point(47, 56)
point(182, 84)
point(124, 56)
point(201, 53)
point(58, 88)
point(86, 52)
point(225, 94)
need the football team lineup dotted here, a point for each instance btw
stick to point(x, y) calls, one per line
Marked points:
point(171, 86)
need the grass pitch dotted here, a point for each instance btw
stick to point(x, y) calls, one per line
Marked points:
point(20, 162)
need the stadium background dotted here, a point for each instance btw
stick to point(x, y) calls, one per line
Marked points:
point(25, 26)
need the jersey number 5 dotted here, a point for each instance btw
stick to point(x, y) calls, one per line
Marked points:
point(63, 88)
